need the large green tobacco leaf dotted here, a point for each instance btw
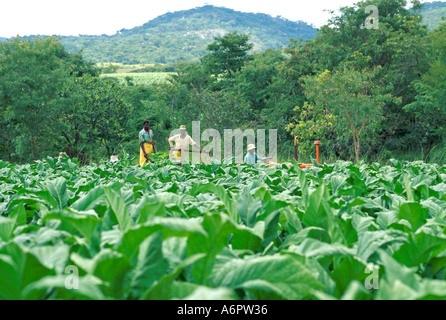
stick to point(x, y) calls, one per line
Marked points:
point(320, 214)
point(150, 266)
point(247, 238)
point(58, 190)
point(117, 204)
point(283, 276)
point(221, 193)
point(89, 200)
point(414, 213)
point(19, 215)
point(248, 208)
point(349, 270)
point(313, 248)
point(6, 228)
point(385, 219)
point(355, 291)
point(370, 242)
point(55, 287)
point(307, 233)
point(218, 228)
point(399, 281)
point(421, 248)
point(18, 269)
point(147, 208)
point(109, 266)
point(76, 221)
point(54, 257)
point(164, 288)
point(170, 227)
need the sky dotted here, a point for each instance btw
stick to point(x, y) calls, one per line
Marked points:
point(95, 17)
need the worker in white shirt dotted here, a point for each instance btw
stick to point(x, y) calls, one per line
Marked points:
point(182, 142)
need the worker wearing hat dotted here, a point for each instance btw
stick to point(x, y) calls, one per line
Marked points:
point(182, 142)
point(252, 157)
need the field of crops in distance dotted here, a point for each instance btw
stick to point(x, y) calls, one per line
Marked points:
point(143, 78)
point(222, 231)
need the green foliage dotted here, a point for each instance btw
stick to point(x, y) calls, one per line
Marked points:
point(396, 71)
point(430, 105)
point(227, 54)
point(217, 110)
point(348, 108)
point(402, 44)
point(312, 122)
point(92, 112)
point(256, 76)
point(32, 74)
point(222, 231)
point(52, 102)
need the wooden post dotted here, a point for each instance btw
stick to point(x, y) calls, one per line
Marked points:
point(317, 143)
point(295, 148)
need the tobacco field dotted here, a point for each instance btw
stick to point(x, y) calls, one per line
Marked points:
point(222, 231)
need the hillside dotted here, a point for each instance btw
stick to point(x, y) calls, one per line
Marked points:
point(184, 35)
point(433, 13)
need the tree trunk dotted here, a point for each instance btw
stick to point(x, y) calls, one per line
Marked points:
point(356, 144)
point(32, 145)
point(357, 149)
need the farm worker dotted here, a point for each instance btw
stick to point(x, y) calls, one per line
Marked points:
point(252, 157)
point(61, 154)
point(182, 142)
point(146, 143)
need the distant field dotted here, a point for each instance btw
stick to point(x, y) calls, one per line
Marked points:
point(123, 68)
point(146, 78)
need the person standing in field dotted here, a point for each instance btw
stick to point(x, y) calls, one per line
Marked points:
point(252, 157)
point(182, 142)
point(146, 143)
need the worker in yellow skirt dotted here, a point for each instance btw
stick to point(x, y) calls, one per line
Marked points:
point(146, 143)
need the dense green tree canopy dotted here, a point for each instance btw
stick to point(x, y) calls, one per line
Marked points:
point(365, 92)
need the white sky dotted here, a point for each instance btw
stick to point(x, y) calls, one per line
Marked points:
point(94, 17)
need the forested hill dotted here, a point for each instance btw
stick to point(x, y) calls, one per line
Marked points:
point(433, 13)
point(184, 35)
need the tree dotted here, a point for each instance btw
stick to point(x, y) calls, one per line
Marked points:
point(32, 74)
point(217, 110)
point(399, 46)
point(285, 91)
point(92, 113)
point(227, 54)
point(429, 106)
point(354, 100)
point(256, 76)
point(193, 75)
